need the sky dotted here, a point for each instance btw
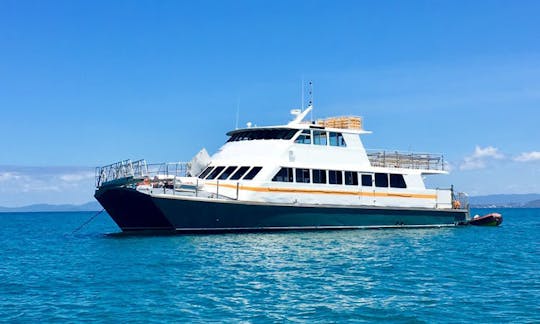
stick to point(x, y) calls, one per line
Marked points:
point(88, 83)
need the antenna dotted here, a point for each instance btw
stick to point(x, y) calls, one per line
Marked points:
point(310, 93)
point(311, 99)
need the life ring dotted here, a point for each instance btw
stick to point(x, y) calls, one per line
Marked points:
point(456, 204)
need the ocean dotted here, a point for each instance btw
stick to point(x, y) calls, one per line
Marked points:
point(465, 274)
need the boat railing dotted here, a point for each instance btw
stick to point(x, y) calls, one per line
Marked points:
point(406, 160)
point(460, 200)
point(119, 170)
point(123, 171)
point(168, 170)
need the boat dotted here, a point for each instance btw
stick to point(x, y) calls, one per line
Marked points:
point(492, 219)
point(301, 175)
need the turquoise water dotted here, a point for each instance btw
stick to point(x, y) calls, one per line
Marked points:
point(399, 275)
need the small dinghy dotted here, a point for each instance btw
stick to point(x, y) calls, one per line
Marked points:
point(493, 219)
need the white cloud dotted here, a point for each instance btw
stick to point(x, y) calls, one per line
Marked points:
point(76, 177)
point(528, 156)
point(7, 176)
point(480, 157)
point(472, 164)
point(44, 179)
point(488, 152)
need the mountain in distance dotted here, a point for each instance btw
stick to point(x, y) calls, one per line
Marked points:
point(506, 201)
point(533, 204)
point(89, 206)
point(502, 200)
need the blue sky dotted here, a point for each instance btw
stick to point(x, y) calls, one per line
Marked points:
point(86, 83)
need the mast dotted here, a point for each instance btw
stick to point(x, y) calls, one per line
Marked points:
point(311, 99)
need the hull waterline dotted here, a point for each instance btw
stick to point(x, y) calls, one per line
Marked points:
point(135, 211)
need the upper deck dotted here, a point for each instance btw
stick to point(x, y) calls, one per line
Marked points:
point(340, 135)
point(407, 160)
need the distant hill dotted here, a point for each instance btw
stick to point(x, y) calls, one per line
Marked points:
point(514, 200)
point(511, 201)
point(89, 206)
point(533, 204)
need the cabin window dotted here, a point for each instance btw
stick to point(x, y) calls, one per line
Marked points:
point(287, 134)
point(263, 134)
point(335, 177)
point(225, 175)
point(367, 180)
point(304, 137)
point(397, 181)
point(284, 175)
point(381, 180)
point(302, 175)
point(205, 172)
point(319, 137)
point(252, 173)
point(215, 173)
point(319, 176)
point(351, 178)
point(336, 139)
point(239, 173)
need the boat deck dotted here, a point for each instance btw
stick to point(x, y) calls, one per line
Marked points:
point(406, 160)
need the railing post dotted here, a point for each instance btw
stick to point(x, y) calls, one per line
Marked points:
point(442, 162)
point(217, 189)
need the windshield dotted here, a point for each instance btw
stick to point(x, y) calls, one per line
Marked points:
point(263, 134)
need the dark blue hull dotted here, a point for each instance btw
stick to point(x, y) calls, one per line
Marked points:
point(134, 211)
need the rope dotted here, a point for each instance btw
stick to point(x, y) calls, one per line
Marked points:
point(87, 222)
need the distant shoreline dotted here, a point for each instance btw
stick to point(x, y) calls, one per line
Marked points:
point(88, 207)
point(480, 202)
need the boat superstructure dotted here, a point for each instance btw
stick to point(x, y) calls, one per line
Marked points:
point(300, 175)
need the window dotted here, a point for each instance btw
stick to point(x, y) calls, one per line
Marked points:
point(397, 181)
point(341, 140)
point(252, 173)
point(205, 172)
point(336, 139)
point(263, 134)
point(215, 173)
point(286, 134)
point(319, 176)
point(239, 173)
point(381, 180)
point(367, 180)
point(351, 178)
point(227, 173)
point(304, 137)
point(284, 175)
point(319, 137)
point(335, 177)
point(302, 175)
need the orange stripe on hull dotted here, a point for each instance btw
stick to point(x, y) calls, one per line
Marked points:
point(326, 192)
